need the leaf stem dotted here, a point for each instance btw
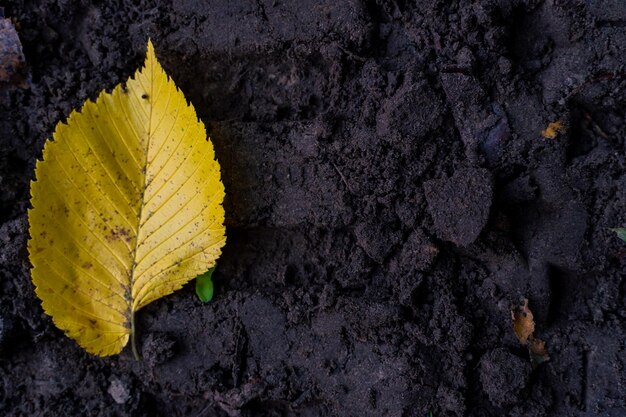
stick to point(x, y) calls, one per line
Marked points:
point(133, 339)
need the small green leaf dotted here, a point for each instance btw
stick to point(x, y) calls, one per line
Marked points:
point(204, 286)
point(621, 233)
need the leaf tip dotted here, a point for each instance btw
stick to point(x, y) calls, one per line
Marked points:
point(150, 47)
point(150, 54)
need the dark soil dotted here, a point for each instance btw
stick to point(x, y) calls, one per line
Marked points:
point(389, 196)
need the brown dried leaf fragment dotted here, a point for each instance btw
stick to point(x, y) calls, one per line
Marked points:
point(523, 322)
point(524, 328)
point(554, 129)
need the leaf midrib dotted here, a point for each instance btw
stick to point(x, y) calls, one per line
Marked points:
point(144, 171)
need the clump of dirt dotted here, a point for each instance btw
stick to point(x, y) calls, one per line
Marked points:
point(503, 376)
point(389, 195)
point(468, 191)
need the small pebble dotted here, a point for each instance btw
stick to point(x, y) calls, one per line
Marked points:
point(118, 391)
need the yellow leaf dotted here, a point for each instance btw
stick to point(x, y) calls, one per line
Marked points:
point(127, 208)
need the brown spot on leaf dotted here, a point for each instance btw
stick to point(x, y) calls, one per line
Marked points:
point(118, 233)
point(87, 265)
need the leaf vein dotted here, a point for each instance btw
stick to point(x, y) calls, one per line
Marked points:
point(158, 152)
point(166, 221)
point(119, 133)
point(180, 245)
point(158, 173)
point(69, 177)
point(180, 262)
point(79, 307)
point(72, 262)
point(96, 235)
point(104, 167)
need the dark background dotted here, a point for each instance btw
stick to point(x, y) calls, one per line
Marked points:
point(389, 196)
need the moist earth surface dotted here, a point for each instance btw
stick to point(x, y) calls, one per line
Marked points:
point(390, 195)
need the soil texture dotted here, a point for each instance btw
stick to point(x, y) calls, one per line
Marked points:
point(390, 195)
